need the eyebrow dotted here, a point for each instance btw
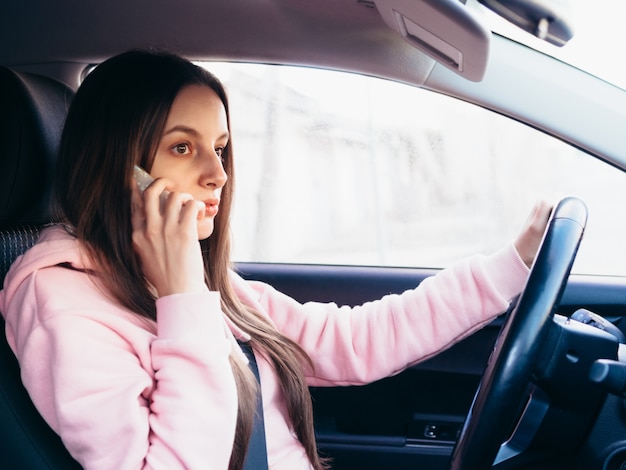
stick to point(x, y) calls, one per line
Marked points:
point(190, 130)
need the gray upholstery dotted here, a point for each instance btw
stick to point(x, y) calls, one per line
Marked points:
point(13, 242)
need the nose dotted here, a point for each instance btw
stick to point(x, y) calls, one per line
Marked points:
point(213, 172)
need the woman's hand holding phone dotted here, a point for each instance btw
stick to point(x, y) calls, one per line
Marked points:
point(165, 236)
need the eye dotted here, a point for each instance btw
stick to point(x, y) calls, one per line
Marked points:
point(181, 149)
point(220, 153)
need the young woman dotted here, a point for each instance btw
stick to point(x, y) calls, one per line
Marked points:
point(127, 328)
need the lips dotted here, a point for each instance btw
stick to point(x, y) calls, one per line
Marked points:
point(212, 207)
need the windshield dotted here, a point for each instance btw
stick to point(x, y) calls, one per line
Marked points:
point(599, 42)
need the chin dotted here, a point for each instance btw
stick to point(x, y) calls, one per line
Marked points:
point(205, 229)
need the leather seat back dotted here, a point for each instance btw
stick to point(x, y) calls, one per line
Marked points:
point(32, 113)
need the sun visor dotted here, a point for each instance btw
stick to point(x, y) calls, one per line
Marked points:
point(446, 30)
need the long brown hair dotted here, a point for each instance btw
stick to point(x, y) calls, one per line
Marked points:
point(115, 121)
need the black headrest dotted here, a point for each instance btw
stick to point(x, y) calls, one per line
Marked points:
point(32, 113)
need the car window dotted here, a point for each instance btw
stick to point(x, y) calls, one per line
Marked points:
point(337, 168)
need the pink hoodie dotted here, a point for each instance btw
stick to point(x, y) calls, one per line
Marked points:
point(127, 393)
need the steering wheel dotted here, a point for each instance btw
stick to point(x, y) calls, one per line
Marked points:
point(502, 387)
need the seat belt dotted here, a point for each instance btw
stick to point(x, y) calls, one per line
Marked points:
point(256, 456)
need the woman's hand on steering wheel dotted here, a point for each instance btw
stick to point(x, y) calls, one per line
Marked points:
point(528, 241)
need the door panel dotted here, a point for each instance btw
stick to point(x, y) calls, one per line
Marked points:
point(410, 420)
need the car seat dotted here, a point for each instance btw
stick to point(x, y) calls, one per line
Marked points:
point(32, 112)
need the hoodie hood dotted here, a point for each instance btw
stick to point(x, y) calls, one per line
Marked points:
point(55, 246)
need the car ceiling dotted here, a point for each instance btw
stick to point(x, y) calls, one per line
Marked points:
point(274, 31)
point(61, 37)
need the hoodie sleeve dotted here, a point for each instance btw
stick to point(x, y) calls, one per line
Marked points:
point(365, 343)
point(169, 404)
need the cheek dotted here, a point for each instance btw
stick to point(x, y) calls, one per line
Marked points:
point(173, 170)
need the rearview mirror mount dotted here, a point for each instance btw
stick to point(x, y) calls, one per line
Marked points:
point(546, 19)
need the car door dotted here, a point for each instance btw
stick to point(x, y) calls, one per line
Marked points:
point(410, 420)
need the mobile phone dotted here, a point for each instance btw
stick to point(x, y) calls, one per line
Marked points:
point(143, 180)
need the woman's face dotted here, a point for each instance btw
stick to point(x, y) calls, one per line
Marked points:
point(190, 151)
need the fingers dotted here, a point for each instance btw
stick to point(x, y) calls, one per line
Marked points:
point(181, 212)
point(528, 241)
point(175, 208)
point(165, 236)
point(543, 209)
point(191, 212)
point(155, 197)
point(540, 215)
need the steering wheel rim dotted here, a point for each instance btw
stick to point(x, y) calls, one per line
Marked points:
point(496, 403)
